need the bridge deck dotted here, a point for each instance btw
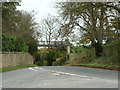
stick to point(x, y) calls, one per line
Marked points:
point(53, 45)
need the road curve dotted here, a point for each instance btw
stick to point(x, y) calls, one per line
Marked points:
point(60, 77)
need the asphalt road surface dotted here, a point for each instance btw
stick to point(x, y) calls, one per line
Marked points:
point(60, 77)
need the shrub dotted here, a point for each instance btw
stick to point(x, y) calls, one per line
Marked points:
point(38, 60)
point(45, 63)
point(76, 49)
point(44, 57)
point(13, 44)
point(58, 63)
point(109, 60)
point(32, 46)
point(39, 63)
point(50, 57)
point(53, 54)
point(54, 63)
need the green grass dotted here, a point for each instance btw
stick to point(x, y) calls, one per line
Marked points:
point(16, 67)
point(116, 67)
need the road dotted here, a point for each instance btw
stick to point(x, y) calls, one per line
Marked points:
point(60, 77)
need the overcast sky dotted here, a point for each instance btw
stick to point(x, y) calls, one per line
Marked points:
point(41, 7)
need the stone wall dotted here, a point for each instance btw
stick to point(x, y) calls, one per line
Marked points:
point(9, 59)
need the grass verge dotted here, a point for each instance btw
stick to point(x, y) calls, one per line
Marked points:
point(16, 67)
point(109, 67)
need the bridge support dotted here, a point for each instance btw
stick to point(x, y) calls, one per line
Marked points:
point(68, 52)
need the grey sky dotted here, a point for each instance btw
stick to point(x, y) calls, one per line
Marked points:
point(42, 8)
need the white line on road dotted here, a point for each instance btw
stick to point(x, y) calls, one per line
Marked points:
point(33, 69)
point(57, 72)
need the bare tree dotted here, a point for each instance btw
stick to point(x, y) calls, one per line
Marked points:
point(50, 29)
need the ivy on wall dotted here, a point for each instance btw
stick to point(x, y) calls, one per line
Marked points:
point(13, 44)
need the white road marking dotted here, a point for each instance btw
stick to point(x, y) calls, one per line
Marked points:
point(36, 67)
point(32, 69)
point(55, 74)
point(58, 72)
point(88, 79)
point(83, 76)
point(70, 74)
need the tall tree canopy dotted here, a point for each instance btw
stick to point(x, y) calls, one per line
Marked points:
point(9, 17)
point(94, 19)
point(19, 23)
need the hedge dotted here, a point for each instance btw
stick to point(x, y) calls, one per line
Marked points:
point(13, 44)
